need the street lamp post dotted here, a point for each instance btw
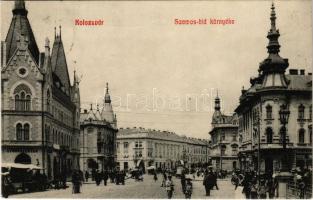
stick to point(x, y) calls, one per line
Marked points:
point(284, 175)
point(283, 117)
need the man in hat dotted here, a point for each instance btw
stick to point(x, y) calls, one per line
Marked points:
point(169, 186)
point(188, 188)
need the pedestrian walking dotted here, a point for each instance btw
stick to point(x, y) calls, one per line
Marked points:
point(98, 178)
point(164, 179)
point(188, 189)
point(246, 183)
point(169, 186)
point(76, 181)
point(302, 188)
point(270, 188)
point(215, 180)
point(155, 176)
point(105, 177)
point(208, 183)
point(254, 190)
point(183, 182)
point(86, 176)
point(262, 189)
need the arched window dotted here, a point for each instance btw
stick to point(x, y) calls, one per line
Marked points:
point(22, 132)
point(26, 132)
point(269, 135)
point(22, 95)
point(301, 112)
point(269, 112)
point(301, 136)
point(19, 132)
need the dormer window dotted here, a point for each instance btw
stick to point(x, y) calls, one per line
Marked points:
point(269, 112)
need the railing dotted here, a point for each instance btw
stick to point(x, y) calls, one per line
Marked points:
point(294, 192)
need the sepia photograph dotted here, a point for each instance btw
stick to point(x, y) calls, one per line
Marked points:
point(156, 99)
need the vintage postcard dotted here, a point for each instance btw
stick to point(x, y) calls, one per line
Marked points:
point(156, 99)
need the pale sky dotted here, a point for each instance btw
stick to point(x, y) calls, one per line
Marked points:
point(153, 65)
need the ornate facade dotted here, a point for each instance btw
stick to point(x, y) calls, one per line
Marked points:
point(139, 147)
point(224, 139)
point(98, 136)
point(40, 107)
point(259, 121)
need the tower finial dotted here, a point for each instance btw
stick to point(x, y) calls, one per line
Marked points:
point(107, 98)
point(19, 7)
point(60, 30)
point(217, 93)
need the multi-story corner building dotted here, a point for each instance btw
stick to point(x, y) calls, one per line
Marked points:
point(224, 139)
point(98, 136)
point(40, 107)
point(139, 147)
point(258, 113)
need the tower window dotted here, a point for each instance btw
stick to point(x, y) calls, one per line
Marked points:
point(269, 112)
point(301, 112)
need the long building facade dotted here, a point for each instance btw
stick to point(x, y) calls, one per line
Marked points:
point(98, 137)
point(40, 107)
point(142, 148)
point(260, 127)
point(224, 140)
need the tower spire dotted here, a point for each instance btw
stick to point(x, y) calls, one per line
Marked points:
point(60, 30)
point(273, 63)
point(107, 98)
point(55, 32)
point(217, 106)
point(19, 7)
point(273, 34)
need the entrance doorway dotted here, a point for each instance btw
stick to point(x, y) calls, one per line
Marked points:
point(268, 165)
point(23, 158)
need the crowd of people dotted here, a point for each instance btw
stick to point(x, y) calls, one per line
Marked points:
point(266, 185)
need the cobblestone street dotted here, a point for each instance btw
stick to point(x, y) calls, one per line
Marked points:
point(132, 189)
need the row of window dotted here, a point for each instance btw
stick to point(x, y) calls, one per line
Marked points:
point(301, 135)
point(60, 137)
point(301, 112)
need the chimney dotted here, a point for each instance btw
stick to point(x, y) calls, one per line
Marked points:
point(302, 72)
point(293, 71)
point(85, 111)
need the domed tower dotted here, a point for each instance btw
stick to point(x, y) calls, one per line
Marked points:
point(107, 110)
point(217, 111)
point(273, 68)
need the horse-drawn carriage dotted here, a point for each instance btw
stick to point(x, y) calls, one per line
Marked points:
point(22, 178)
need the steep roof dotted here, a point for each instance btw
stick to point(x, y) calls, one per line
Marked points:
point(58, 62)
point(20, 26)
